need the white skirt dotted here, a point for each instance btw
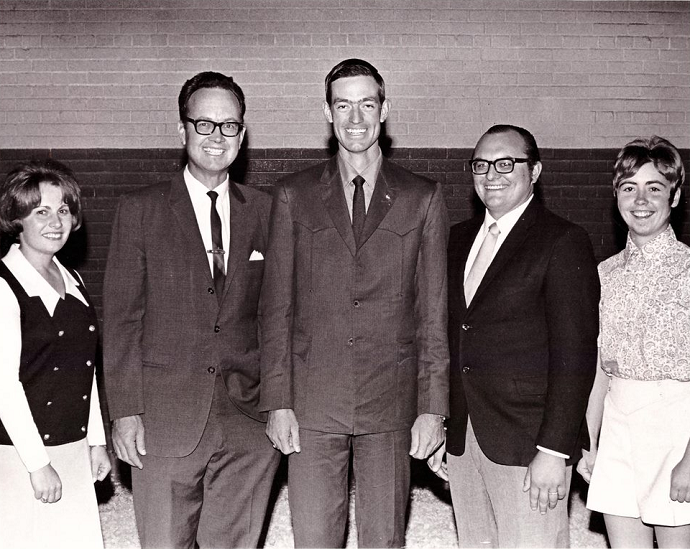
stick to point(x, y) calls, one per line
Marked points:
point(644, 434)
point(72, 522)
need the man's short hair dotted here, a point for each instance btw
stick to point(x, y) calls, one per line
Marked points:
point(531, 149)
point(354, 67)
point(659, 151)
point(209, 79)
point(21, 192)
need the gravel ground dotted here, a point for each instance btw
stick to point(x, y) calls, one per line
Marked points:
point(430, 523)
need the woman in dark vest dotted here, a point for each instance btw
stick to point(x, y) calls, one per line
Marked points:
point(52, 443)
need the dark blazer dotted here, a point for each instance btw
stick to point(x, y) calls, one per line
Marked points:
point(523, 355)
point(165, 333)
point(354, 340)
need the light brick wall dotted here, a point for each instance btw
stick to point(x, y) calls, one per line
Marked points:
point(86, 73)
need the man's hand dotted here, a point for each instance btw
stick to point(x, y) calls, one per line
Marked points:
point(282, 430)
point(427, 435)
point(680, 481)
point(545, 480)
point(128, 440)
point(46, 484)
point(437, 464)
point(100, 463)
point(586, 464)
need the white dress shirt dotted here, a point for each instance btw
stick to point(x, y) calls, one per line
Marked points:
point(202, 210)
point(14, 408)
point(505, 225)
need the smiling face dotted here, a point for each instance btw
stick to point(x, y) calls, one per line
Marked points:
point(356, 114)
point(502, 193)
point(645, 200)
point(46, 229)
point(210, 156)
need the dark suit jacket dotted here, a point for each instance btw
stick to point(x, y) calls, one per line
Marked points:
point(354, 340)
point(165, 334)
point(523, 356)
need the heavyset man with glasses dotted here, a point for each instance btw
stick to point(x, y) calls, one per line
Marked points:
point(523, 297)
point(181, 353)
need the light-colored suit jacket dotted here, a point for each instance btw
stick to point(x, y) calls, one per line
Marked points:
point(166, 336)
point(354, 340)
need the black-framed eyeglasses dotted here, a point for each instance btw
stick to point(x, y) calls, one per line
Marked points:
point(501, 165)
point(207, 127)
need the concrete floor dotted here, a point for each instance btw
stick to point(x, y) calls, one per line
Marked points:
point(430, 523)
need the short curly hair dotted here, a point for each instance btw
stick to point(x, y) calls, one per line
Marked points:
point(21, 193)
point(641, 151)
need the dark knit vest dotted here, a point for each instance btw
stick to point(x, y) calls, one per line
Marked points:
point(57, 363)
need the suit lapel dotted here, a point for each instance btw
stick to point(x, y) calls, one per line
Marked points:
point(334, 199)
point(241, 223)
point(182, 209)
point(462, 250)
point(508, 249)
point(381, 202)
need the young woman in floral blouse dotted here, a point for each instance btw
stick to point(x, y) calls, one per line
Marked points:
point(639, 409)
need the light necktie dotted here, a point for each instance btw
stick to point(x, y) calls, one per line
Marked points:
point(481, 263)
point(359, 212)
point(217, 251)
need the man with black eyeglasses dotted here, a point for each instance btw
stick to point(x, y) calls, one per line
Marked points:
point(181, 354)
point(523, 297)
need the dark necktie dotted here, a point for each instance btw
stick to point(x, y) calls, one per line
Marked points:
point(359, 211)
point(217, 251)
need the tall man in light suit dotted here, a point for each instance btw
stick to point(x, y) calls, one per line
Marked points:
point(523, 322)
point(354, 350)
point(181, 345)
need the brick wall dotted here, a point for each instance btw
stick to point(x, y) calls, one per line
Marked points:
point(575, 183)
point(88, 74)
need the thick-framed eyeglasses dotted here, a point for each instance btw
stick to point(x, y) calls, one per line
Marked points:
point(501, 165)
point(207, 127)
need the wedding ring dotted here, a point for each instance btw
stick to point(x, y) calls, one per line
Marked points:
point(44, 500)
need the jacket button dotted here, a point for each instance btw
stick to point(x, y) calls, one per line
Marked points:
point(465, 369)
point(351, 341)
point(466, 327)
point(46, 437)
point(49, 403)
point(216, 329)
point(61, 333)
point(211, 370)
point(89, 363)
point(55, 369)
point(92, 328)
point(84, 397)
point(211, 291)
point(83, 429)
point(356, 303)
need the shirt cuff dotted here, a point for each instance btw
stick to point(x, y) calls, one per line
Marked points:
point(552, 452)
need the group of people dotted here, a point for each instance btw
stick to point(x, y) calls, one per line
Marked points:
point(345, 325)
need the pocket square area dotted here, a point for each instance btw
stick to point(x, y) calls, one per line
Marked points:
point(256, 256)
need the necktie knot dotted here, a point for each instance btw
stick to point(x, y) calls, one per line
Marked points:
point(493, 229)
point(358, 181)
point(213, 195)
